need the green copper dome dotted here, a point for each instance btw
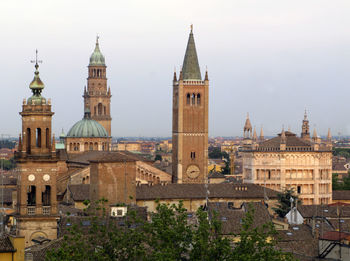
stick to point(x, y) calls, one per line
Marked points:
point(97, 58)
point(87, 128)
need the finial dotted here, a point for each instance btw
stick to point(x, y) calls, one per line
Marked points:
point(206, 78)
point(191, 28)
point(97, 37)
point(36, 61)
point(305, 115)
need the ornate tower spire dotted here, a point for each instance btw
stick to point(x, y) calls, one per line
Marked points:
point(261, 134)
point(329, 136)
point(255, 136)
point(314, 135)
point(283, 136)
point(190, 68)
point(247, 130)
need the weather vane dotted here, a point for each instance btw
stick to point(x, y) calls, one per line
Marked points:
point(36, 59)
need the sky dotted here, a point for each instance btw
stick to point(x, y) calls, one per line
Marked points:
point(273, 59)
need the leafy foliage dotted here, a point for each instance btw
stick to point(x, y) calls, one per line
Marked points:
point(284, 202)
point(168, 236)
point(8, 164)
point(344, 152)
point(258, 243)
point(340, 185)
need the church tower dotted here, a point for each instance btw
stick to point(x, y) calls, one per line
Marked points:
point(97, 97)
point(37, 167)
point(305, 130)
point(190, 120)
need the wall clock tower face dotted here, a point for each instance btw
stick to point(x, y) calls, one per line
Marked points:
point(46, 177)
point(192, 171)
point(31, 177)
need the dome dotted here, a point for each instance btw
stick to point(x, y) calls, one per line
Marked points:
point(87, 128)
point(97, 58)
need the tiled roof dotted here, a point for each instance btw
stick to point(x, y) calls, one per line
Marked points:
point(291, 141)
point(80, 192)
point(5, 244)
point(216, 175)
point(38, 252)
point(341, 194)
point(334, 235)
point(298, 239)
point(309, 211)
point(105, 156)
point(231, 218)
point(198, 191)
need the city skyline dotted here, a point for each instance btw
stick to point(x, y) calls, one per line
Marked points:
point(272, 60)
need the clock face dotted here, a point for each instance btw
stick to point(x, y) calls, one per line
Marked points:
point(192, 171)
point(46, 177)
point(31, 177)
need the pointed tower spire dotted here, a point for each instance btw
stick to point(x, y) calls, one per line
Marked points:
point(247, 128)
point(255, 137)
point(283, 136)
point(261, 134)
point(190, 68)
point(206, 78)
point(19, 143)
point(175, 78)
point(97, 58)
point(314, 136)
point(329, 136)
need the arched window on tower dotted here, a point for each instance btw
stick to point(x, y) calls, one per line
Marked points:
point(95, 110)
point(104, 110)
point(86, 146)
point(38, 137)
point(198, 99)
point(94, 75)
point(91, 146)
point(99, 109)
point(31, 196)
point(188, 99)
point(47, 138)
point(193, 102)
point(28, 140)
point(46, 196)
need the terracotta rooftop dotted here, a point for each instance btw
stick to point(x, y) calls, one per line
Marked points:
point(198, 191)
point(5, 244)
point(341, 194)
point(309, 211)
point(79, 192)
point(104, 156)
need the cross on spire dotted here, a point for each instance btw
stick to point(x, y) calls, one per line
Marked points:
point(36, 59)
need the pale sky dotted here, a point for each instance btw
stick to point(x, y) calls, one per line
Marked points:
point(271, 58)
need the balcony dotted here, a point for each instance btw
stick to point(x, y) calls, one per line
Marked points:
point(31, 211)
point(46, 210)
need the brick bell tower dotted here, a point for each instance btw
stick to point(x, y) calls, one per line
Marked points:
point(190, 120)
point(96, 96)
point(37, 168)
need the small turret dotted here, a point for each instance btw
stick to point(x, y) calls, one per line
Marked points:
point(206, 78)
point(19, 143)
point(329, 136)
point(247, 130)
point(255, 136)
point(261, 138)
point(175, 78)
point(181, 76)
point(283, 143)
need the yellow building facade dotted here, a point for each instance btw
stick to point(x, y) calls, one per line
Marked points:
point(290, 162)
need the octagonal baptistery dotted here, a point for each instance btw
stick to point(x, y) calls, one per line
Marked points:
point(87, 135)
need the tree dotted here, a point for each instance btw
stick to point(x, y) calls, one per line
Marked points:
point(257, 243)
point(168, 236)
point(284, 202)
point(158, 157)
